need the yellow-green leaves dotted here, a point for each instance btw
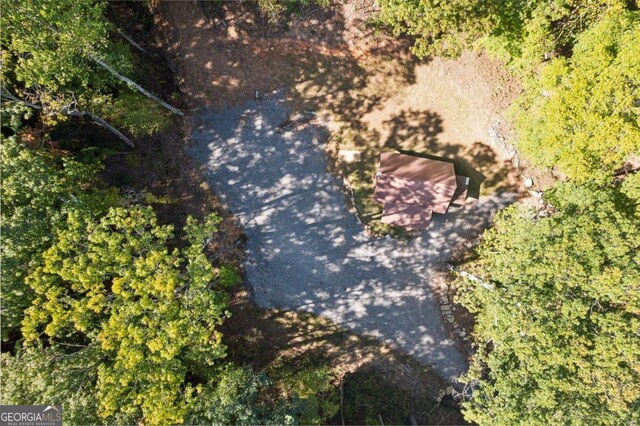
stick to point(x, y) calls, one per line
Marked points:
point(51, 41)
point(583, 114)
point(38, 190)
point(152, 311)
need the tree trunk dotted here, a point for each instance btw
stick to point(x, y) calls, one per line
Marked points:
point(135, 85)
point(130, 40)
point(101, 122)
point(9, 96)
point(98, 120)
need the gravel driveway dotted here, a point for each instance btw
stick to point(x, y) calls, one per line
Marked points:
point(306, 251)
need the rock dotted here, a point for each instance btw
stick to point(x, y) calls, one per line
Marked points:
point(449, 318)
point(445, 308)
point(349, 155)
point(528, 182)
point(462, 333)
point(449, 390)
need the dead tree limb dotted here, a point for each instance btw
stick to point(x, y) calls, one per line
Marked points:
point(72, 113)
point(100, 121)
point(471, 277)
point(130, 40)
point(7, 95)
point(135, 85)
point(130, 82)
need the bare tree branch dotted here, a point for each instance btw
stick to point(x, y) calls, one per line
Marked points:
point(134, 85)
point(66, 110)
point(130, 40)
point(100, 121)
point(6, 94)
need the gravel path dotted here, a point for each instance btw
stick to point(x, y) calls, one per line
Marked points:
point(306, 251)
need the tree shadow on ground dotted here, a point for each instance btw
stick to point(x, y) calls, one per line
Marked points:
point(377, 380)
point(232, 52)
point(416, 133)
point(306, 251)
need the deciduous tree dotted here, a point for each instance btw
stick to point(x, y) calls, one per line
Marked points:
point(558, 330)
point(582, 115)
point(38, 191)
point(113, 283)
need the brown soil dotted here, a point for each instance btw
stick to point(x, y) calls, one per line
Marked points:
point(159, 166)
point(271, 340)
point(224, 53)
point(371, 93)
point(464, 96)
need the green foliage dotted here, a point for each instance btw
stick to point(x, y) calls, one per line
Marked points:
point(38, 192)
point(437, 27)
point(51, 376)
point(136, 113)
point(48, 46)
point(583, 114)
point(368, 396)
point(236, 397)
point(580, 111)
point(276, 9)
point(522, 30)
point(69, 28)
point(113, 282)
point(228, 276)
point(13, 115)
point(117, 327)
point(311, 394)
point(557, 333)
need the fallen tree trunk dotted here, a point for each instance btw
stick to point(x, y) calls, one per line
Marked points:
point(135, 85)
point(96, 119)
point(8, 95)
point(133, 43)
point(100, 121)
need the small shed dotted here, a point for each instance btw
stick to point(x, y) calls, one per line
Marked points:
point(412, 188)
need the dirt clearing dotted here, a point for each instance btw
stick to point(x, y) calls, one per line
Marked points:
point(364, 88)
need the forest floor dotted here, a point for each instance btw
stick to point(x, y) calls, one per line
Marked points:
point(369, 92)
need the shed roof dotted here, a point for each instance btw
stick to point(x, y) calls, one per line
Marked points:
point(418, 168)
point(412, 188)
point(394, 189)
point(408, 215)
point(415, 180)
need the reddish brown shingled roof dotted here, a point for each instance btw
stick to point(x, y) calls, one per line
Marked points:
point(411, 188)
point(408, 215)
point(417, 168)
point(415, 180)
